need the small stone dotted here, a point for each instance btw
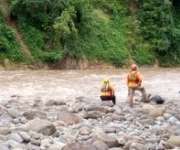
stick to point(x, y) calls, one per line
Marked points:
point(56, 146)
point(111, 141)
point(4, 130)
point(121, 141)
point(36, 142)
point(13, 144)
point(100, 145)
point(137, 146)
point(35, 135)
point(16, 137)
point(30, 115)
point(14, 113)
point(78, 146)
point(25, 136)
point(55, 102)
point(172, 120)
point(160, 118)
point(45, 143)
point(85, 131)
point(167, 115)
point(152, 110)
point(116, 148)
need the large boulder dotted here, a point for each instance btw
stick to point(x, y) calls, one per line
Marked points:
point(79, 146)
point(174, 140)
point(30, 115)
point(137, 146)
point(4, 130)
point(55, 102)
point(93, 115)
point(152, 110)
point(41, 126)
point(102, 109)
point(100, 145)
point(4, 146)
point(69, 118)
point(110, 140)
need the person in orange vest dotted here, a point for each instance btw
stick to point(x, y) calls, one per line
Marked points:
point(107, 92)
point(134, 81)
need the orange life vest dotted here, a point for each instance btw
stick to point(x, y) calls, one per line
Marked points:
point(134, 79)
point(107, 91)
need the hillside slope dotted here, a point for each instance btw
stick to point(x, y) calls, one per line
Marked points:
point(117, 33)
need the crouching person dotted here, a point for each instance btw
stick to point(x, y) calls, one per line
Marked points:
point(107, 92)
point(134, 81)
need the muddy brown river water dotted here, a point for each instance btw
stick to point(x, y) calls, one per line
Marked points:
point(66, 85)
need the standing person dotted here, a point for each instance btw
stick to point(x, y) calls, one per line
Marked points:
point(134, 81)
point(107, 92)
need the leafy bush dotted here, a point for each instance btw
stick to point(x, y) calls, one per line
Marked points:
point(8, 45)
point(35, 40)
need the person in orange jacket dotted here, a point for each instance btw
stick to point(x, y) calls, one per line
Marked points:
point(107, 92)
point(134, 81)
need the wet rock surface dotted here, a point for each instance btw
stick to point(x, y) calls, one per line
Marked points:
point(94, 127)
point(57, 110)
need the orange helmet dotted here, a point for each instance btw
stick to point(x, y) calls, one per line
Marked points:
point(133, 67)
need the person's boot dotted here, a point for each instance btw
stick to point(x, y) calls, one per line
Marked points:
point(114, 101)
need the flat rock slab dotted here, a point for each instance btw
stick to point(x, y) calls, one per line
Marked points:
point(174, 140)
point(41, 126)
point(78, 146)
point(69, 118)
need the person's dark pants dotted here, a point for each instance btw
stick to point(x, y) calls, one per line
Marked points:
point(109, 98)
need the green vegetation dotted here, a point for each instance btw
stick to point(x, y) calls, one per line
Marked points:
point(9, 48)
point(116, 32)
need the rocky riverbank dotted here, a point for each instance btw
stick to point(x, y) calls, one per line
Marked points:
point(80, 124)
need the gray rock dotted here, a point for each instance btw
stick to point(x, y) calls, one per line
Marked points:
point(16, 137)
point(174, 140)
point(69, 118)
point(111, 141)
point(14, 113)
point(36, 142)
point(93, 115)
point(100, 145)
point(85, 131)
point(78, 146)
point(25, 136)
point(167, 115)
point(4, 130)
point(54, 102)
point(102, 109)
point(172, 120)
point(32, 147)
point(41, 126)
point(116, 148)
point(137, 146)
point(35, 135)
point(56, 146)
point(45, 144)
point(4, 146)
point(122, 141)
point(30, 115)
point(13, 144)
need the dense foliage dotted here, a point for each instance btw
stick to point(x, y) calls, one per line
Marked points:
point(115, 32)
point(9, 48)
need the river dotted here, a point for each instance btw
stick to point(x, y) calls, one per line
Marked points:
point(68, 84)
